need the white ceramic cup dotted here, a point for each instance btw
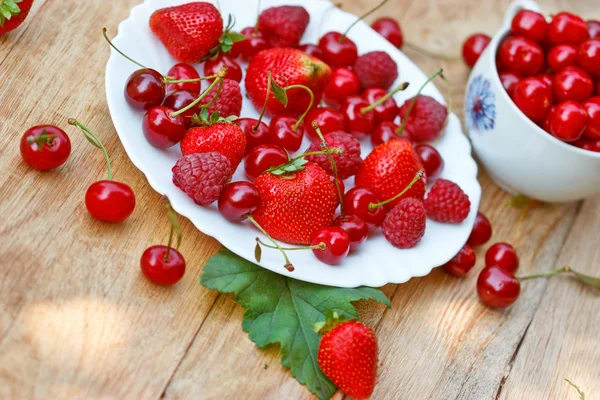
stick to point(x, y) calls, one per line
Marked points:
point(517, 154)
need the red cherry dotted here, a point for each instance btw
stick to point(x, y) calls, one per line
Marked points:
point(145, 89)
point(509, 81)
point(110, 201)
point(390, 30)
point(238, 200)
point(386, 111)
point(545, 125)
point(263, 157)
point(461, 264)
point(588, 57)
point(497, 287)
point(568, 121)
point(431, 159)
point(473, 47)
point(336, 244)
point(328, 119)
point(358, 123)
point(45, 147)
point(588, 144)
point(384, 132)
point(282, 132)
point(338, 50)
point(561, 56)
point(255, 134)
point(533, 97)
point(521, 55)
point(212, 66)
point(502, 255)
point(529, 24)
point(592, 108)
point(184, 71)
point(482, 231)
point(160, 268)
point(593, 28)
point(572, 83)
point(178, 99)
point(567, 28)
point(356, 228)
point(248, 48)
point(343, 83)
point(311, 50)
point(161, 129)
point(356, 202)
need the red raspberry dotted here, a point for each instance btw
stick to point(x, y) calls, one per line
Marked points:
point(348, 163)
point(229, 101)
point(283, 26)
point(446, 202)
point(426, 119)
point(202, 176)
point(404, 226)
point(376, 69)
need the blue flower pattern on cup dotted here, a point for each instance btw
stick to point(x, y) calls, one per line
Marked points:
point(480, 110)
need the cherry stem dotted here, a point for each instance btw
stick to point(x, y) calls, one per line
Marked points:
point(120, 52)
point(310, 104)
point(365, 15)
point(414, 100)
point(41, 139)
point(429, 53)
point(264, 108)
point(314, 153)
point(588, 280)
point(94, 140)
point(320, 246)
point(418, 176)
point(220, 75)
point(383, 99)
point(547, 274)
point(175, 227)
point(257, 16)
point(334, 169)
point(204, 78)
point(449, 88)
point(288, 265)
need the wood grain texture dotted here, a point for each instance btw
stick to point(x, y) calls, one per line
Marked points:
point(77, 319)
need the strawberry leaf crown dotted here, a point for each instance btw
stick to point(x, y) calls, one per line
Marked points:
point(294, 165)
point(333, 319)
point(203, 118)
point(227, 39)
point(8, 9)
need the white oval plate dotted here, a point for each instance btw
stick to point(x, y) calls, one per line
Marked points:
point(377, 262)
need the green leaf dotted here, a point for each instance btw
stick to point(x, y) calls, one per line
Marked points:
point(215, 117)
point(204, 114)
point(588, 280)
point(236, 37)
point(11, 6)
point(283, 310)
point(226, 47)
point(279, 93)
point(227, 40)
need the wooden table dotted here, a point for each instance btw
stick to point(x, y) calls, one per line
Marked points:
point(78, 319)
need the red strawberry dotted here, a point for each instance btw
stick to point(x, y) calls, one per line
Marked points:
point(13, 13)
point(229, 101)
point(348, 163)
point(426, 119)
point(222, 137)
point(188, 31)
point(288, 67)
point(376, 69)
point(389, 168)
point(446, 202)
point(348, 356)
point(283, 26)
point(295, 205)
point(404, 226)
point(202, 176)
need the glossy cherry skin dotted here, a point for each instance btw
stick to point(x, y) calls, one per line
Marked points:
point(561, 56)
point(533, 97)
point(509, 81)
point(546, 78)
point(497, 287)
point(567, 28)
point(212, 66)
point(337, 244)
point(311, 50)
point(588, 144)
point(248, 48)
point(255, 134)
point(387, 111)
point(263, 157)
point(529, 24)
point(384, 132)
point(358, 124)
point(161, 129)
point(53, 153)
point(356, 228)
point(592, 108)
point(572, 83)
point(178, 99)
point(144, 89)
point(282, 133)
point(338, 50)
point(502, 255)
point(184, 71)
point(588, 57)
point(238, 200)
point(521, 56)
point(390, 30)
point(482, 231)
point(568, 121)
point(160, 269)
point(356, 202)
point(110, 201)
point(329, 120)
point(473, 47)
point(343, 83)
point(593, 28)
point(461, 264)
point(431, 159)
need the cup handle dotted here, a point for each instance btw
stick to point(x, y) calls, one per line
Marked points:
point(517, 6)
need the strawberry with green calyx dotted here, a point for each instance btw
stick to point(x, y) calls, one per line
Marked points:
point(348, 355)
point(13, 13)
point(227, 39)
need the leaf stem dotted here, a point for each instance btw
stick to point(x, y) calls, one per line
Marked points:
point(365, 15)
point(288, 265)
point(414, 100)
point(418, 176)
point(95, 141)
point(383, 99)
point(310, 104)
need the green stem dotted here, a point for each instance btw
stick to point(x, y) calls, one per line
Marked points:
point(320, 246)
point(288, 265)
point(41, 139)
point(428, 53)
point(257, 15)
point(310, 104)
point(449, 88)
point(334, 169)
point(383, 99)
point(264, 108)
point(414, 100)
point(418, 176)
point(175, 227)
point(365, 15)
point(120, 52)
point(546, 274)
point(94, 140)
point(220, 75)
